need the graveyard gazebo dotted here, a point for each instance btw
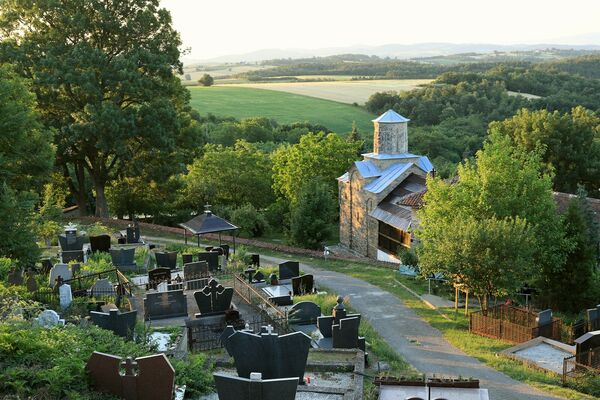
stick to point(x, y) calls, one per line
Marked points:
point(208, 223)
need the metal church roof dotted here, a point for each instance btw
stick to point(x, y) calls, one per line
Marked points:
point(367, 169)
point(390, 117)
point(208, 223)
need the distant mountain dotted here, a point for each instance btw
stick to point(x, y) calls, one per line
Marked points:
point(404, 51)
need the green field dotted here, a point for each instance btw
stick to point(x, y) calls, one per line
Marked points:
point(240, 102)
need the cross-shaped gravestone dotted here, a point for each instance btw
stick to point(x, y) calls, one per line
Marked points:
point(213, 298)
point(269, 329)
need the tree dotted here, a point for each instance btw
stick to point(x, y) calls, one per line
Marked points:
point(26, 152)
point(570, 144)
point(17, 240)
point(104, 77)
point(206, 80)
point(229, 176)
point(571, 289)
point(312, 216)
point(496, 227)
point(316, 156)
point(354, 136)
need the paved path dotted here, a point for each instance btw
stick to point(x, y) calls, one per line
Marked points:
point(414, 339)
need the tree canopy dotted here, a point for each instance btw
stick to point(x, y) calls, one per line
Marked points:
point(103, 75)
point(496, 227)
point(570, 144)
point(317, 156)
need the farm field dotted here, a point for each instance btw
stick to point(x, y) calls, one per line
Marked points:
point(217, 71)
point(245, 102)
point(342, 91)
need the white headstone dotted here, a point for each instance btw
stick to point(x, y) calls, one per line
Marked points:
point(49, 318)
point(65, 296)
point(62, 270)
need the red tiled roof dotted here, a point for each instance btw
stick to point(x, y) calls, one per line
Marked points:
point(414, 200)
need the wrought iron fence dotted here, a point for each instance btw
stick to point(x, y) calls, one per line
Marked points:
point(256, 297)
point(203, 337)
point(584, 364)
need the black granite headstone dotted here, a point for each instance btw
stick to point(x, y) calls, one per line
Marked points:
point(212, 259)
point(213, 299)
point(272, 355)
point(123, 259)
point(187, 258)
point(100, 243)
point(304, 313)
point(345, 334)
point(302, 285)
point(165, 305)
point(236, 388)
point(289, 269)
point(158, 275)
point(166, 259)
point(70, 242)
point(122, 324)
point(255, 260)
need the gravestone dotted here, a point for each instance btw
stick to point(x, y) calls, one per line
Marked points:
point(195, 275)
point(166, 259)
point(46, 266)
point(65, 296)
point(304, 313)
point(30, 281)
point(145, 378)
point(545, 317)
point(255, 260)
point(162, 287)
point(345, 334)
point(158, 275)
point(72, 255)
point(338, 313)
point(122, 324)
point(70, 241)
point(237, 388)
point(165, 305)
point(213, 299)
point(15, 277)
point(102, 287)
point(211, 258)
point(259, 277)
point(272, 355)
point(123, 259)
point(187, 258)
point(48, 319)
point(584, 344)
point(289, 269)
point(132, 233)
point(302, 285)
point(61, 270)
point(195, 270)
point(225, 248)
point(100, 243)
point(593, 317)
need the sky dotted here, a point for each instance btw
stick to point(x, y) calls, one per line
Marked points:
point(224, 27)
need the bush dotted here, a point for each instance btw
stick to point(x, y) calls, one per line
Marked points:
point(195, 374)
point(250, 220)
point(206, 80)
point(409, 257)
point(6, 265)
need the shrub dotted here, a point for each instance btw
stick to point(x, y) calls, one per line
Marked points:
point(195, 374)
point(250, 220)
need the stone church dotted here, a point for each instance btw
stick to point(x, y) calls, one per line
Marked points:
point(380, 194)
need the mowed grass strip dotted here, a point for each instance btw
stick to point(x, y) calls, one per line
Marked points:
point(285, 108)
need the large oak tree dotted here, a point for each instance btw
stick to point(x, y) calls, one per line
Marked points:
point(103, 73)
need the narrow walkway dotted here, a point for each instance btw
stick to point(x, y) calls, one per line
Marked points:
point(414, 339)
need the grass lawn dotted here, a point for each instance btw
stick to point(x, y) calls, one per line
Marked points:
point(241, 102)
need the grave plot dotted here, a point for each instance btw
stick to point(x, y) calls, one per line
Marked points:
point(543, 353)
point(515, 324)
